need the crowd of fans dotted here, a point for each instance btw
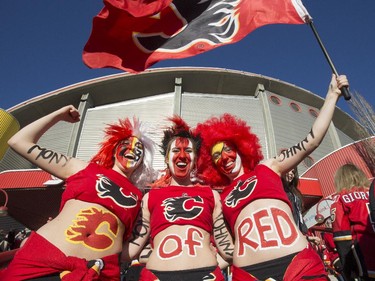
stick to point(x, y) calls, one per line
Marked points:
point(12, 240)
point(253, 229)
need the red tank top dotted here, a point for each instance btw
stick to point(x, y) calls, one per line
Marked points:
point(262, 183)
point(108, 188)
point(180, 205)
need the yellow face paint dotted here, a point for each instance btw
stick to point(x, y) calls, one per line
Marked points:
point(88, 225)
point(216, 151)
point(129, 153)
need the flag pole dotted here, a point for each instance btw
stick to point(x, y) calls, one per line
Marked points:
point(345, 91)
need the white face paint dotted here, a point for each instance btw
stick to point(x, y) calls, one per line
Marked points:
point(238, 164)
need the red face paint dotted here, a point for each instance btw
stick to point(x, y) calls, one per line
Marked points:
point(226, 158)
point(181, 157)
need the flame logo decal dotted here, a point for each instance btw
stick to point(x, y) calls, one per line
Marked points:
point(94, 228)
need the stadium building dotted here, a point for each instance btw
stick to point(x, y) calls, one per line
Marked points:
point(281, 114)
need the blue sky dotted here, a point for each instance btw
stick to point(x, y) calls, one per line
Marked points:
point(41, 48)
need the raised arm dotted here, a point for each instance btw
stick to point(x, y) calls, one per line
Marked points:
point(294, 155)
point(24, 142)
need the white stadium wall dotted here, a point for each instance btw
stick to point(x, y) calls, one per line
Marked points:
point(281, 114)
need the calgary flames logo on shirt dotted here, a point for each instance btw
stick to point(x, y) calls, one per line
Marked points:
point(184, 207)
point(108, 189)
point(241, 191)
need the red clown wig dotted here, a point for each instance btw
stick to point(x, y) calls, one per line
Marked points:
point(234, 131)
point(114, 134)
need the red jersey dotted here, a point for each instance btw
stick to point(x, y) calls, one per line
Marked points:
point(261, 183)
point(108, 188)
point(351, 222)
point(180, 205)
point(330, 253)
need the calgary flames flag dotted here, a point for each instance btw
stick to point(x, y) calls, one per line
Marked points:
point(132, 35)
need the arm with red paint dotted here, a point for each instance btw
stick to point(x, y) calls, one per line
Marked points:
point(24, 142)
point(222, 237)
point(291, 157)
point(140, 235)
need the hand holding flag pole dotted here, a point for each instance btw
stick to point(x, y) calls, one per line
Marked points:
point(122, 37)
point(344, 90)
point(126, 36)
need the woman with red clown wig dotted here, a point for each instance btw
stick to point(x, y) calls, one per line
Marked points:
point(179, 217)
point(267, 242)
point(99, 206)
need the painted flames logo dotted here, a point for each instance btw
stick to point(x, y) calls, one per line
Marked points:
point(94, 228)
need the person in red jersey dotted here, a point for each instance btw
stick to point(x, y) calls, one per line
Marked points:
point(372, 200)
point(180, 216)
point(268, 243)
point(353, 229)
point(329, 252)
point(99, 206)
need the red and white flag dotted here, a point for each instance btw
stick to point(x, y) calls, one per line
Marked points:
point(133, 35)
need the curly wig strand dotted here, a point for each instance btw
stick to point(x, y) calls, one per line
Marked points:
point(115, 133)
point(236, 132)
